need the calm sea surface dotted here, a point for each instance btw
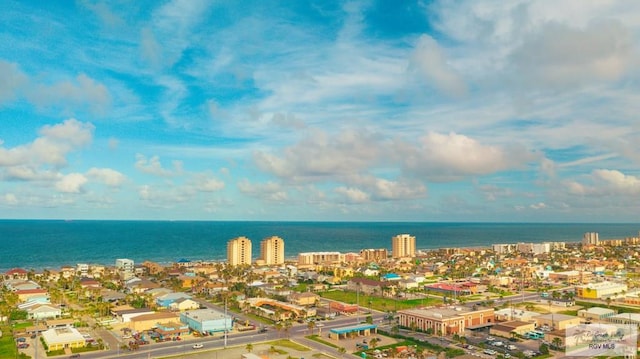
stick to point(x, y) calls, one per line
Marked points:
point(38, 244)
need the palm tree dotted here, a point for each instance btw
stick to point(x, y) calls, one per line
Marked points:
point(373, 342)
point(342, 350)
point(557, 342)
point(311, 325)
point(249, 347)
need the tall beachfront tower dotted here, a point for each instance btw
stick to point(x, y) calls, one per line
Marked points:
point(272, 250)
point(239, 251)
point(403, 246)
point(590, 239)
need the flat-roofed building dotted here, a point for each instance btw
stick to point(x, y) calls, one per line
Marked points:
point(149, 321)
point(272, 251)
point(571, 277)
point(600, 290)
point(207, 320)
point(403, 246)
point(596, 313)
point(60, 338)
point(445, 321)
point(512, 328)
point(374, 255)
point(556, 321)
point(308, 258)
point(239, 251)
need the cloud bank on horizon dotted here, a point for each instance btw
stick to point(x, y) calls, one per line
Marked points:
point(320, 110)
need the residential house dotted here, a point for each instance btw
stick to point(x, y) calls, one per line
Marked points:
point(183, 304)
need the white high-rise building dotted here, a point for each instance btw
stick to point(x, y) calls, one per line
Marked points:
point(590, 239)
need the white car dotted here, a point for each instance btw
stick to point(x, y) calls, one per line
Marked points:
point(198, 346)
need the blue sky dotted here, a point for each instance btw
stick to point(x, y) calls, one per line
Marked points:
point(320, 110)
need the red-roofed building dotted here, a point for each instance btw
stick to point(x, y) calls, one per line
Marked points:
point(453, 289)
point(32, 294)
point(16, 273)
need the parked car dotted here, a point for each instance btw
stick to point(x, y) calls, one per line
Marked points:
point(198, 346)
point(74, 356)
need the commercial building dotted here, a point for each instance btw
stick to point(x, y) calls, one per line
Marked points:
point(60, 338)
point(239, 251)
point(207, 321)
point(600, 290)
point(512, 328)
point(403, 246)
point(555, 321)
point(571, 277)
point(149, 321)
point(272, 251)
point(445, 321)
point(596, 313)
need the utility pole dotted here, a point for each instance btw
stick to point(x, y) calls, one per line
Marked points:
point(225, 323)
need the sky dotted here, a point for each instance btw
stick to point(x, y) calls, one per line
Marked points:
point(474, 111)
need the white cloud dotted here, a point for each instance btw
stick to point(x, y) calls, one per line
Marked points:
point(55, 143)
point(108, 176)
point(153, 166)
point(207, 183)
point(269, 191)
point(606, 183)
point(10, 199)
point(71, 183)
point(448, 157)
point(557, 55)
point(353, 195)
point(70, 95)
point(13, 80)
point(429, 61)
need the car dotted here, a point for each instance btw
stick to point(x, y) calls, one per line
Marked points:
point(198, 346)
point(23, 346)
point(74, 356)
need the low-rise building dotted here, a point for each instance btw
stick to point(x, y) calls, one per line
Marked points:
point(511, 328)
point(150, 321)
point(445, 321)
point(600, 290)
point(555, 321)
point(60, 338)
point(596, 313)
point(207, 321)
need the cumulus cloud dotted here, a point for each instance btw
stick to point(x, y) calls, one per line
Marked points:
point(429, 61)
point(604, 182)
point(52, 147)
point(72, 94)
point(446, 157)
point(322, 156)
point(207, 183)
point(353, 195)
point(71, 183)
point(153, 166)
point(269, 191)
point(108, 176)
point(558, 55)
point(13, 80)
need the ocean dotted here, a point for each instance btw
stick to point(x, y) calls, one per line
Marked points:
point(40, 244)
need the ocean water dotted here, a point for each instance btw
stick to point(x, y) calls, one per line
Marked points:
point(39, 244)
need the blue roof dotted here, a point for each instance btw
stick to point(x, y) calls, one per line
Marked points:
point(353, 328)
point(390, 275)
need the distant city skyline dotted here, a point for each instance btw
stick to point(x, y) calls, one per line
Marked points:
point(469, 111)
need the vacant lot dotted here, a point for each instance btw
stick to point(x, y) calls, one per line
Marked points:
point(378, 303)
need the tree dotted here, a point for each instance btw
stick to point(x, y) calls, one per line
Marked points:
point(342, 350)
point(373, 342)
point(311, 325)
point(556, 342)
point(249, 347)
point(544, 349)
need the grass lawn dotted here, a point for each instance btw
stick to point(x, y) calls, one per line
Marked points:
point(288, 344)
point(378, 303)
point(7, 345)
point(316, 338)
